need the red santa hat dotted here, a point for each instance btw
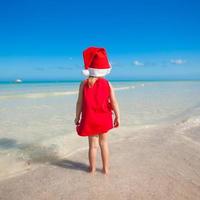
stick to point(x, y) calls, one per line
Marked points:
point(96, 62)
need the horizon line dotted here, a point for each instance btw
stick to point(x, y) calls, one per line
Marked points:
point(112, 80)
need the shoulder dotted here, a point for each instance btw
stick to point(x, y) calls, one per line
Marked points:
point(81, 84)
point(110, 85)
point(105, 80)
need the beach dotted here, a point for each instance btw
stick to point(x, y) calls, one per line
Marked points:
point(155, 154)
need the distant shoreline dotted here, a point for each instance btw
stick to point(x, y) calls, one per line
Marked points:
point(75, 81)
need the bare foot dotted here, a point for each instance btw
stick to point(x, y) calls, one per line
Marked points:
point(105, 172)
point(91, 171)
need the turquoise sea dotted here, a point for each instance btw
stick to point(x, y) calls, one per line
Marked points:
point(37, 118)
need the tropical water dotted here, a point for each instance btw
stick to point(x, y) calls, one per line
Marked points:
point(37, 119)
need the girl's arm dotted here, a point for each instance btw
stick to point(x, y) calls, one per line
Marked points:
point(79, 104)
point(115, 106)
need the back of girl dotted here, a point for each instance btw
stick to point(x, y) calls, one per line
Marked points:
point(96, 106)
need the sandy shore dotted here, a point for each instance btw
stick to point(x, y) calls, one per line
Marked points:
point(158, 163)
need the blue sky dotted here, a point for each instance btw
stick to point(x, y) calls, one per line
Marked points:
point(145, 39)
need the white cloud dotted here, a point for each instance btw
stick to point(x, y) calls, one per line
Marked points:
point(177, 61)
point(138, 63)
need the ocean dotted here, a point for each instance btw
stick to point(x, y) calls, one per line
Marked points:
point(37, 119)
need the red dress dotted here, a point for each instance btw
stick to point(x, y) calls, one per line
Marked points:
point(96, 109)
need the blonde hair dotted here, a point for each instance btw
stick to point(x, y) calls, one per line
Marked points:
point(91, 80)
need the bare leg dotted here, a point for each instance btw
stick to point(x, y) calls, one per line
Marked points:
point(93, 145)
point(104, 152)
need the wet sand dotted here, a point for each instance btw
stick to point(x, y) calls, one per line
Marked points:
point(154, 163)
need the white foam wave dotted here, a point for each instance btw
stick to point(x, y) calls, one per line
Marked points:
point(42, 95)
point(49, 94)
point(190, 123)
point(122, 88)
point(39, 95)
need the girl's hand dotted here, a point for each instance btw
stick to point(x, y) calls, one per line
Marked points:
point(76, 121)
point(116, 122)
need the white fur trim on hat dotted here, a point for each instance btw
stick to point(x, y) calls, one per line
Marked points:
point(96, 72)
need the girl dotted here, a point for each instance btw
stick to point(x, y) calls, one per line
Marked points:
point(95, 105)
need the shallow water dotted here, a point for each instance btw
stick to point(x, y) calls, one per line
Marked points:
point(36, 120)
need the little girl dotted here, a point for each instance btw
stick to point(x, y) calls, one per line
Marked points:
point(95, 105)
